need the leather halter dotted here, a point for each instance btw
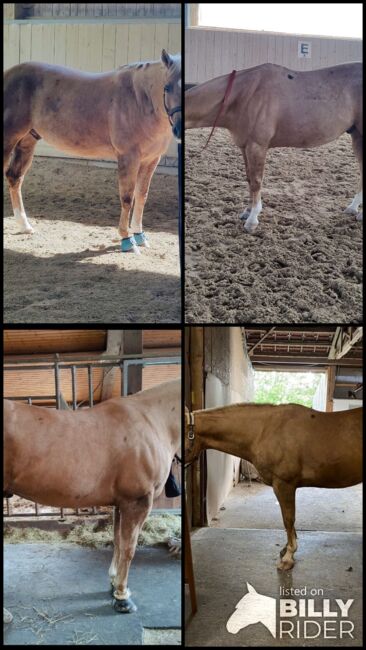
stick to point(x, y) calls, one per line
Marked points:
point(170, 111)
point(191, 427)
point(191, 437)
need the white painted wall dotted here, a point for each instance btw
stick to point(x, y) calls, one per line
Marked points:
point(223, 469)
point(346, 404)
point(320, 397)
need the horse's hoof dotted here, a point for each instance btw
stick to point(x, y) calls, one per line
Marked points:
point(128, 245)
point(8, 617)
point(28, 230)
point(250, 227)
point(285, 565)
point(350, 210)
point(126, 606)
point(141, 239)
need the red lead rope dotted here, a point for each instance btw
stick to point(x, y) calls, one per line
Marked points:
point(227, 93)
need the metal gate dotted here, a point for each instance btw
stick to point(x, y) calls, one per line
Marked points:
point(58, 365)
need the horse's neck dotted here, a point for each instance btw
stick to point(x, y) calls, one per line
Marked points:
point(166, 409)
point(153, 81)
point(233, 430)
point(203, 103)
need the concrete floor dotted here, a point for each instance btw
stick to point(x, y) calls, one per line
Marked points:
point(256, 506)
point(59, 595)
point(242, 547)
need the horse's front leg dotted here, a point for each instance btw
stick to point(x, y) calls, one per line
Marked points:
point(285, 494)
point(128, 166)
point(144, 177)
point(133, 513)
point(254, 158)
point(357, 144)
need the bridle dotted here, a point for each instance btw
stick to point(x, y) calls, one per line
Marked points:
point(170, 111)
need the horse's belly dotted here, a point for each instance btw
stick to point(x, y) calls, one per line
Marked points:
point(79, 147)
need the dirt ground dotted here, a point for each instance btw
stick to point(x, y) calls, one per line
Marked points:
point(70, 270)
point(303, 263)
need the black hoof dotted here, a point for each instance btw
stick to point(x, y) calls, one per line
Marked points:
point(124, 606)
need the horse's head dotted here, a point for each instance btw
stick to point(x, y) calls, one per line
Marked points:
point(173, 91)
point(192, 447)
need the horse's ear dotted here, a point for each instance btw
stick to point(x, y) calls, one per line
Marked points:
point(251, 589)
point(166, 58)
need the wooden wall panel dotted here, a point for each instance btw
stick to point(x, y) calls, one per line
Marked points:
point(211, 52)
point(39, 342)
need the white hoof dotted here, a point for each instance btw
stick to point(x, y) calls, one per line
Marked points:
point(359, 216)
point(7, 616)
point(27, 230)
point(251, 226)
point(350, 210)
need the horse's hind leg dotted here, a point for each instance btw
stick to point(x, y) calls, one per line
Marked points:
point(357, 142)
point(117, 546)
point(254, 158)
point(19, 164)
point(133, 514)
point(285, 494)
point(144, 177)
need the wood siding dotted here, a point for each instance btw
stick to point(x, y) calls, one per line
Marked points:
point(210, 52)
point(93, 10)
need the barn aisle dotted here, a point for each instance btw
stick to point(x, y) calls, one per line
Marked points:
point(71, 605)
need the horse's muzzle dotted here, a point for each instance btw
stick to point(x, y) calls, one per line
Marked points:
point(177, 129)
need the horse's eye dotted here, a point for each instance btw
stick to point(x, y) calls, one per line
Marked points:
point(168, 88)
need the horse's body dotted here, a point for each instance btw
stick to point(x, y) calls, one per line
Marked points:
point(272, 106)
point(117, 453)
point(290, 445)
point(127, 114)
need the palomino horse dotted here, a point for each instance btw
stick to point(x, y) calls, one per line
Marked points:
point(290, 445)
point(127, 114)
point(271, 106)
point(117, 453)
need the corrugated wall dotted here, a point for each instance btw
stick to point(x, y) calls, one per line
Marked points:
point(93, 46)
point(210, 52)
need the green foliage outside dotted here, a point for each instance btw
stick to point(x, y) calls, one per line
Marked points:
point(285, 387)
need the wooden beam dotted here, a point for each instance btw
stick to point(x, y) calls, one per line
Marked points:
point(114, 347)
point(331, 381)
point(272, 329)
point(349, 340)
point(298, 359)
point(336, 343)
point(196, 354)
point(344, 341)
point(132, 344)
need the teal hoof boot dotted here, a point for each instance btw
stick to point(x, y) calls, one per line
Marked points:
point(141, 239)
point(128, 245)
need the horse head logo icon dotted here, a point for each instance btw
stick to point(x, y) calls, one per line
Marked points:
point(253, 608)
